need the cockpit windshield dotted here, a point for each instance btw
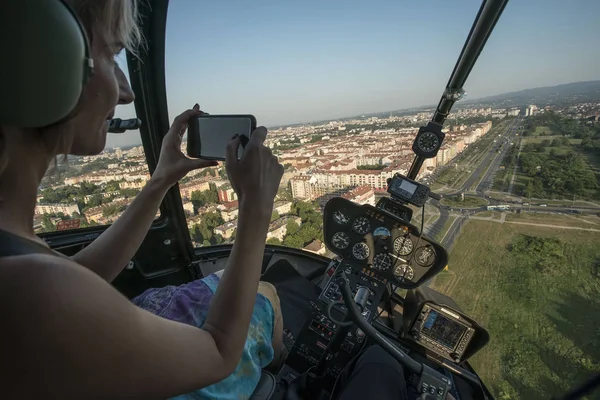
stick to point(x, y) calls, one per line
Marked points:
point(343, 88)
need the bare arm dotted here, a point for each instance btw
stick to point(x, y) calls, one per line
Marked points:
point(256, 180)
point(110, 253)
point(231, 307)
point(74, 336)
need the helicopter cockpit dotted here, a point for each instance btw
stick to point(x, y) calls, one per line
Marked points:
point(332, 307)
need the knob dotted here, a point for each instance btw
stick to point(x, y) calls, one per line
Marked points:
point(360, 335)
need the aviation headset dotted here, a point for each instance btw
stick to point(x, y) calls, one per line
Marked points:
point(46, 62)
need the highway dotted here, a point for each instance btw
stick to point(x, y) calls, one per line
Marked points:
point(493, 156)
point(483, 177)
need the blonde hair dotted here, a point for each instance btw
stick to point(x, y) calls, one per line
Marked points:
point(117, 21)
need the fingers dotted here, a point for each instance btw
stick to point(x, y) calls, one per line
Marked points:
point(259, 135)
point(231, 156)
point(180, 123)
point(197, 163)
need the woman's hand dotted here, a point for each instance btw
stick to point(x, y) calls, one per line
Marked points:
point(172, 163)
point(256, 177)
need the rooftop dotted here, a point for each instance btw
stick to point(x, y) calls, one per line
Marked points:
point(359, 191)
point(315, 245)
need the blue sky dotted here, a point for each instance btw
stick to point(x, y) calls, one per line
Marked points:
point(293, 61)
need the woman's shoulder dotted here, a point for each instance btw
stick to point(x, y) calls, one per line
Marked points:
point(43, 277)
point(32, 265)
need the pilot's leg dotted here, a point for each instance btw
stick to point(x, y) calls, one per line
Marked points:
point(374, 375)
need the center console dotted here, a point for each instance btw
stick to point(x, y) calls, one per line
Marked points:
point(327, 319)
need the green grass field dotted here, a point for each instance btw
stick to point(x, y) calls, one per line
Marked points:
point(468, 202)
point(593, 159)
point(543, 318)
point(575, 220)
point(542, 130)
point(540, 139)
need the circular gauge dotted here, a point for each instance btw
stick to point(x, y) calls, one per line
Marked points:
point(382, 261)
point(340, 240)
point(404, 272)
point(360, 251)
point(428, 142)
point(403, 245)
point(340, 217)
point(425, 255)
point(361, 225)
point(382, 233)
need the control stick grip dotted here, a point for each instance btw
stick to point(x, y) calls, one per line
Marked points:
point(372, 333)
point(361, 297)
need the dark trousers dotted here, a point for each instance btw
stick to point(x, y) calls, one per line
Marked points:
point(374, 375)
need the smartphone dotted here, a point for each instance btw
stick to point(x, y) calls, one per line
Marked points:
point(208, 135)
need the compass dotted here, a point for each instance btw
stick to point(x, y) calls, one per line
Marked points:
point(428, 140)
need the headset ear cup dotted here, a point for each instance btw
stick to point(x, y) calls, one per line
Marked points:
point(50, 62)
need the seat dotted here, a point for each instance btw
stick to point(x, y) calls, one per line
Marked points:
point(265, 388)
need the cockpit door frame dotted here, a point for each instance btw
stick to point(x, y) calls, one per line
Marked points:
point(147, 74)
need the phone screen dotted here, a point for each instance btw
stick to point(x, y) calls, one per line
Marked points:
point(216, 132)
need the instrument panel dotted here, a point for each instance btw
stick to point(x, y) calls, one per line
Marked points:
point(382, 244)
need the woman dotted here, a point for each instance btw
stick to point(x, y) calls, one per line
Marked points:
point(66, 332)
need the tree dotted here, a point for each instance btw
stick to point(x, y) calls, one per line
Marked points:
point(304, 209)
point(292, 228)
point(204, 230)
point(274, 215)
point(274, 241)
point(129, 192)
point(210, 196)
point(95, 200)
point(371, 167)
point(284, 194)
point(112, 186)
point(47, 224)
point(529, 190)
point(293, 241)
point(87, 188)
point(110, 210)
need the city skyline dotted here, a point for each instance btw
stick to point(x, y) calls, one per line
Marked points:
point(132, 138)
point(297, 62)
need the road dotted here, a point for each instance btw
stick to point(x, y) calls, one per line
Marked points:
point(494, 155)
point(483, 177)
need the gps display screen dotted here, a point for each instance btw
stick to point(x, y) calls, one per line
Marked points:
point(443, 330)
point(404, 188)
